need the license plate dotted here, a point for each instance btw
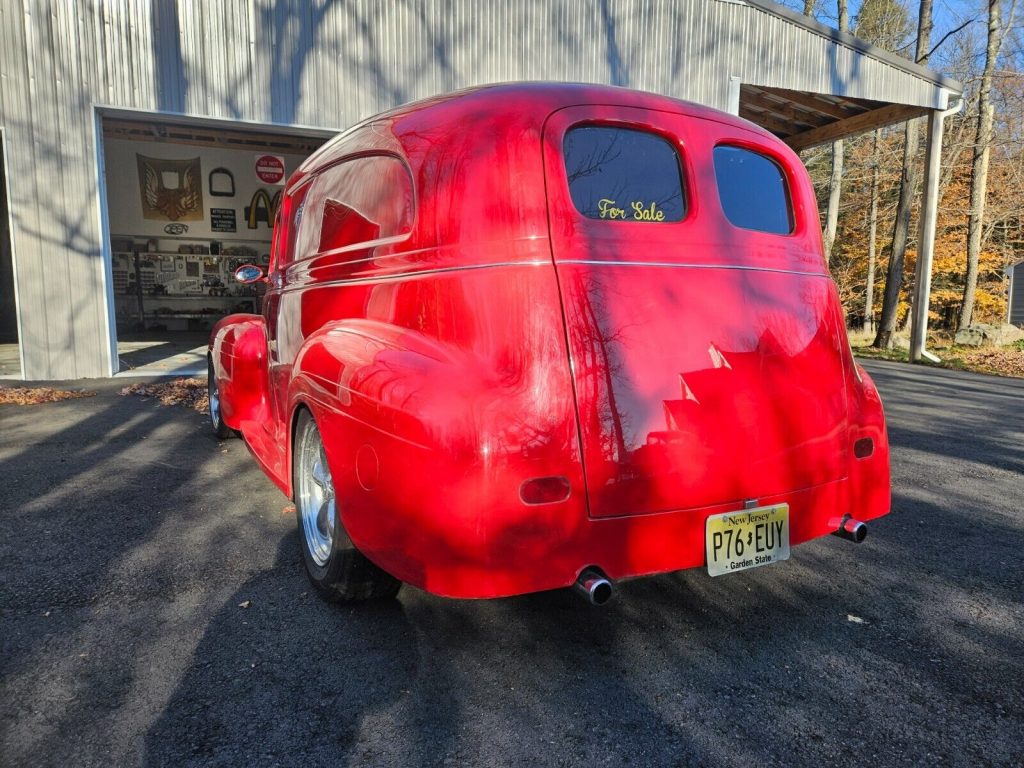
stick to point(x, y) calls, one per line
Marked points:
point(735, 541)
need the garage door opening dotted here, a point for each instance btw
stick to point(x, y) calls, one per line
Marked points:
point(10, 351)
point(187, 204)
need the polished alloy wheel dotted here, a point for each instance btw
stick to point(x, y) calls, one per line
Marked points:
point(214, 397)
point(316, 496)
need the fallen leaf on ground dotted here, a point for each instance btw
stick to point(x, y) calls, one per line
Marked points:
point(245, 604)
point(1007, 361)
point(190, 393)
point(855, 619)
point(37, 395)
point(288, 510)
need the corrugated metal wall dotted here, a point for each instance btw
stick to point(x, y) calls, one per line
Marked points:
point(1016, 313)
point(329, 64)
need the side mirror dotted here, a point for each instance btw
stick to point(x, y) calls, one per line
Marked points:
point(249, 273)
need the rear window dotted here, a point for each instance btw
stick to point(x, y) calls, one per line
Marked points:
point(753, 191)
point(619, 174)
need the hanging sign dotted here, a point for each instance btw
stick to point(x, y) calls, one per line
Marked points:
point(223, 220)
point(260, 209)
point(171, 190)
point(270, 169)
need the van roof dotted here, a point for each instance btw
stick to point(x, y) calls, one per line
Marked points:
point(537, 98)
point(550, 96)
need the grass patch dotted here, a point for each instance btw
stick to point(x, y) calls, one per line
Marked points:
point(999, 361)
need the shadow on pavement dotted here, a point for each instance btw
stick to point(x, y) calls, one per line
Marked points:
point(131, 538)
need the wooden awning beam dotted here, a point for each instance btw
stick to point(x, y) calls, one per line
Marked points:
point(812, 102)
point(800, 116)
point(865, 121)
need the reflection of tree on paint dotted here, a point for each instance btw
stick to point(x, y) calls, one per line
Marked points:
point(170, 189)
point(599, 368)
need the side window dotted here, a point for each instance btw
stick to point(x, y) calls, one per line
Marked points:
point(623, 174)
point(358, 201)
point(753, 191)
point(292, 219)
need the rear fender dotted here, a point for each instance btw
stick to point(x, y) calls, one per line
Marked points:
point(429, 443)
point(238, 355)
point(869, 475)
point(369, 383)
point(382, 375)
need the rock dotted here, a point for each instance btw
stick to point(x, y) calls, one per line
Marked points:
point(1009, 334)
point(982, 333)
point(973, 335)
point(901, 340)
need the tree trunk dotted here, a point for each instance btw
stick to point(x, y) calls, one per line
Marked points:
point(869, 293)
point(979, 165)
point(900, 230)
point(835, 186)
point(908, 188)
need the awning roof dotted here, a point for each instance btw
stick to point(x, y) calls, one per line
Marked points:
point(849, 86)
point(805, 119)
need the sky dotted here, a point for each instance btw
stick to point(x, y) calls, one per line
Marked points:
point(947, 15)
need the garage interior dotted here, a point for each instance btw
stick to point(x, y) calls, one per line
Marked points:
point(186, 204)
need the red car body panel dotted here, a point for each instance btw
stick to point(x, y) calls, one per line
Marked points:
point(650, 375)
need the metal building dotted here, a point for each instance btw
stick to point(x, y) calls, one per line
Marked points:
point(1015, 310)
point(296, 70)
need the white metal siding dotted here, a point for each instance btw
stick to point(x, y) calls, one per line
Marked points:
point(1016, 312)
point(328, 65)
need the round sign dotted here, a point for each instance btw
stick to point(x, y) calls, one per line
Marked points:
point(270, 169)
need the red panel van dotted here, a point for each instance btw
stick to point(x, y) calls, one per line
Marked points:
point(530, 335)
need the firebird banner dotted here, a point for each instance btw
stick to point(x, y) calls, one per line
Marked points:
point(170, 189)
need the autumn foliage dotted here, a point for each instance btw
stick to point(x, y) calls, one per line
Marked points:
point(1002, 246)
point(961, 54)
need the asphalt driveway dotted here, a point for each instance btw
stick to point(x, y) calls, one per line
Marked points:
point(131, 539)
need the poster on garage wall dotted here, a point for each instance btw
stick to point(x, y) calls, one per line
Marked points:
point(171, 190)
point(125, 207)
point(270, 169)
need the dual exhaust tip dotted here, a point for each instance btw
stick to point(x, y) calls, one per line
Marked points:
point(593, 587)
point(850, 529)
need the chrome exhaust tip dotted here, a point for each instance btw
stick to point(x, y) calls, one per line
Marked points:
point(850, 529)
point(593, 587)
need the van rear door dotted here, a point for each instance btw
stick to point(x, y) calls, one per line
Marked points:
point(704, 333)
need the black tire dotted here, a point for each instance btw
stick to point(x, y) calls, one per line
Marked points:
point(339, 571)
point(220, 429)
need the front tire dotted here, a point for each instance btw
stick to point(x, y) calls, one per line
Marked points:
point(220, 429)
point(339, 571)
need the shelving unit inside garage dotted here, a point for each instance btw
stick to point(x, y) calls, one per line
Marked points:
point(177, 284)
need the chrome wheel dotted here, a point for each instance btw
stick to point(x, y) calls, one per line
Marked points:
point(315, 497)
point(220, 429)
point(214, 397)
